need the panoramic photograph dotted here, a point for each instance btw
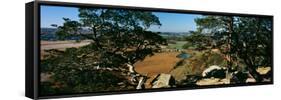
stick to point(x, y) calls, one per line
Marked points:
point(93, 50)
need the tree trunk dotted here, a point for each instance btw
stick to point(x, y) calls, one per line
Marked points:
point(229, 43)
point(253, 71)
point(97, 42)
point(255, 74)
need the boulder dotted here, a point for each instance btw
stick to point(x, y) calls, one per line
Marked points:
point(212, 81)
point(163, 81)
point(263, 70)
point(250, 80)
point(266, 73)
point(214, 71)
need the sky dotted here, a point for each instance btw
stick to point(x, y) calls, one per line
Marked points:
point(171, 22)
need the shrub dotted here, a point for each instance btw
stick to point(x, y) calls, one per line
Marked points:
point(188, 45)
point(73, 72)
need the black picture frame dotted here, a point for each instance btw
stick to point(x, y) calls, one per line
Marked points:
point(32, 71)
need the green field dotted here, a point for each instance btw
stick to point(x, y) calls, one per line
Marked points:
point(177, 45)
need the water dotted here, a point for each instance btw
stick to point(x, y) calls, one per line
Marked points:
point(183, 55)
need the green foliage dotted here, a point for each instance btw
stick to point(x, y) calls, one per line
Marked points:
point(215, 59)
point(117, 37)
point(187, 45)
point(254, 40)
point(82, 82)
point(69, 26)
point(219, 28)
point(74, 72)
point(246, 38)
point(116, 34)
point(198, 40)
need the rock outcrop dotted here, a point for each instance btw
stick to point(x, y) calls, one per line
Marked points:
point(212, 81)
point(214, 71)
point(163, 81)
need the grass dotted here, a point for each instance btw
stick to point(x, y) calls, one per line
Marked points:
point(177, 45)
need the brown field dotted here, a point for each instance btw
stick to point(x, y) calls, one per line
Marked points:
point(157, 64)
point(61, 45)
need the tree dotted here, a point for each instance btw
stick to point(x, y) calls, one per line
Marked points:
point(254, 43)
point(247, 38)
point(198, 40)
point(119, 37)
point(69, 26)
point(221, 28)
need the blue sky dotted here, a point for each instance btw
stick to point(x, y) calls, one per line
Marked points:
point(171, 22)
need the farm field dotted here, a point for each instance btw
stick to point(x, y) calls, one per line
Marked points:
point(157, 64)
point(177, 45)
point(60, 45)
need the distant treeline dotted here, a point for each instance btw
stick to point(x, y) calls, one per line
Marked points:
point(49, 34)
